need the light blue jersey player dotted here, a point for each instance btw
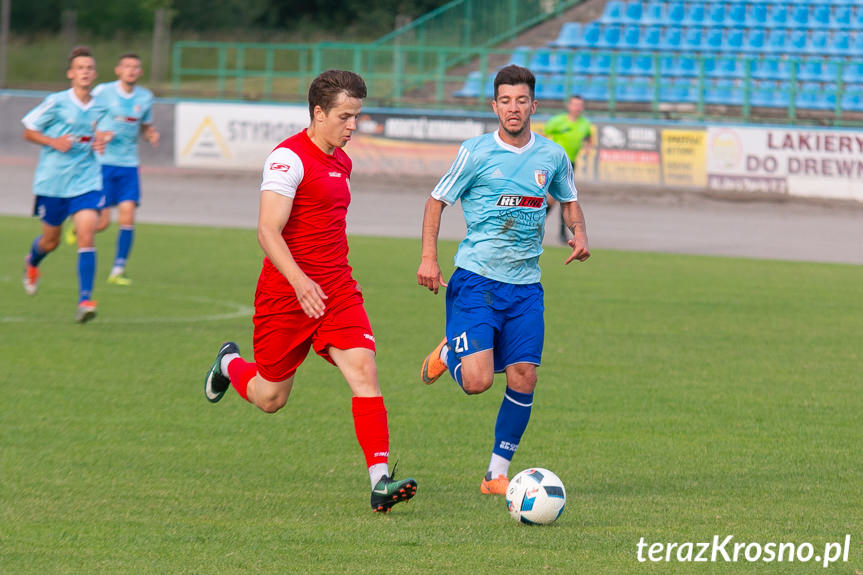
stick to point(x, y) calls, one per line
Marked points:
point(68, 180)
point(494, 301)
point(130, 115)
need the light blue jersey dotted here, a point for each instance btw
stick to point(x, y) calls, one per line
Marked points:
point(503, 195)
point(66, 174)
point(126, 114)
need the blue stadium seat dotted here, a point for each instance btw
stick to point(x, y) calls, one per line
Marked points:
point(582, 61)
point(734, 40)
point(840, 44)
point(731, 67)
point(821, 16)
point(714, 41)
point(857, 19)
point(723, 92)
point(841, 17)
point(736, 15)
point(624, 64)
point(672, 40)
point(651, 38)
point(470, 88)
point(797, 42)
point(633, 13)
point(819, 43)
point(813, 97)
point(852, 72)
point(595, 88)
point(695, 15)
point(777, 42)
point(852, 101)
point(613, 12)
point(654, 14)
point(645, 64)
point(800, 16)
point(550, 87)
point(693, 40)
point(631, 37)
point(601, 63)
point(633, 90)
point(668, 66)
point(678, 92)
point(676, 14)
point(716, 16)
point(755, 40)
point(757, 15)
point(770, 69)
point(777, 17)
point(687, 66)
point(857, 46)
point(521, 56)
point(572, 35)
point(768, 94)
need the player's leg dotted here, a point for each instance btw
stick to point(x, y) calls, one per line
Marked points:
point(518, 351)
point(85, 221)
point(345, 338)
point(125, 238)
point(230, 369)
point(52, 212)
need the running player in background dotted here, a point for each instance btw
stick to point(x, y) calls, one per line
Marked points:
point(306, 296)
point(130, 115)
point(572, 131)
point(68, 179)
point(494, 301)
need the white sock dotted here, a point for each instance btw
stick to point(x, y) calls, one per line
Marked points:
point(117, 270)
point(444, 352)
point(498, 466)
point(377, 471)
point(226, 359)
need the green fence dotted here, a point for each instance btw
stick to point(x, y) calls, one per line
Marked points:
point(411, 75)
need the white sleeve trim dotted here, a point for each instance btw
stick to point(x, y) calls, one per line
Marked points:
point(283, 172)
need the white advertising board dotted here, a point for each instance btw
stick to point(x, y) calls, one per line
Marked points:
point(232, 136)
point(797, 162)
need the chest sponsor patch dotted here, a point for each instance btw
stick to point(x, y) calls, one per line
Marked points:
point(510, 201)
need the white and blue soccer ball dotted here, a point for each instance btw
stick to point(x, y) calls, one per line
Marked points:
point(535, 496)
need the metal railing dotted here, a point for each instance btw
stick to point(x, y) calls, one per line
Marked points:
point(400, 75)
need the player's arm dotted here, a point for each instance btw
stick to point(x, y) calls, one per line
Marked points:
point(151, 134)
point(429, 274)
point(573, 216)
point(274, 214)
point(61, 143)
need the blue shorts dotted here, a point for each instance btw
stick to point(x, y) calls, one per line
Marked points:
point(486, 314)
point(53, 211)
point(120, 184)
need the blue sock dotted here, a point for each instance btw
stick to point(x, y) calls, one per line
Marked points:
point(511, 422)
point(124, 245)
point(86, 272)
point(36, 255)
point(454, 365)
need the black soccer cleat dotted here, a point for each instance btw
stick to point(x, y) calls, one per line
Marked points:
point(387, 492)
point(216, 383)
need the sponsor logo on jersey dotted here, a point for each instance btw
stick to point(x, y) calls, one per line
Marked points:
point(369, 336)
point(540, 177)
point(510, 201)
point(84, 139)
point(277, 167)
point(125, 119)
point(335, 174)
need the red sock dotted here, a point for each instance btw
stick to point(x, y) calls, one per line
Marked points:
point(241, 372)
point(370, 423)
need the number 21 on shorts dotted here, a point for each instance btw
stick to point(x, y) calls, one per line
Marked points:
point(460, 343)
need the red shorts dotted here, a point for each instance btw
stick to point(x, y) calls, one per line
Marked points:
point(284, 333)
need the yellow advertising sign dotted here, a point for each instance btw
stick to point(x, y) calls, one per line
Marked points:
point(684, 158)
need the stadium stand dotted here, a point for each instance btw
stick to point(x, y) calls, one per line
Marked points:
point(763, 53)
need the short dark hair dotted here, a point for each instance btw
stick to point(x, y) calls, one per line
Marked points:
point(513, 75)
point(78, 52)
point(325, 89)
point(131, 55)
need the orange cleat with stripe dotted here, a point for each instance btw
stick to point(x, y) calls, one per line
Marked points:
point(433, 365)
point(496, 486)
point(86, 311)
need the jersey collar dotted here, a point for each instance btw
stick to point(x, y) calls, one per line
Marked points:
point(78, 102)
point(510, 147)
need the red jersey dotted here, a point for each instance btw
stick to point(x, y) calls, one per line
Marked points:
point(319, 184)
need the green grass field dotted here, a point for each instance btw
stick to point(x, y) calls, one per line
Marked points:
point(679, 398)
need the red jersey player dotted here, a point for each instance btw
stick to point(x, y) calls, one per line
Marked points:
point(306, 296)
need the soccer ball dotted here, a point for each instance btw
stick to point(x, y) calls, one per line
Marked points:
point(535, 496)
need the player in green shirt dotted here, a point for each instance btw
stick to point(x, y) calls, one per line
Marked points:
point(572, 131)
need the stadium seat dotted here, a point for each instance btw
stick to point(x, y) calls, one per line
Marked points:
point(654, 14)
point(672, 40)
point(768, 94)
point(521, 56)
point(645, 63)
point(595, 88)
point(799, 16)
point(633, 90)
point(613, 12)
point(678, 92)
point(572, 35)
point(857, 19)
point(723, 92)
point(736, 15)
point(633, 13)
point(755, 40)
point(733, 41)
point(797, 42)
point(695, 15)
point(550, 87)
point(714, 39)
point(857, 45)
point(624, 64)
point(693, 40)
point(777, 42)
point(839, 44)
point(716, 16)
point(852, 72)
point(818, 43)
point(777, 17)
point(852, 101)
point(611, 37)
point(631, 37)
point(821, 17)
point(731, 67)
point(676, 14)
point(770, 69)
point(841, 17)
point(813, 97)
point(470, 88)
point(651, 38)
point(601, 63)
point(757, 15)
point(687, 66)
point(581, 62)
